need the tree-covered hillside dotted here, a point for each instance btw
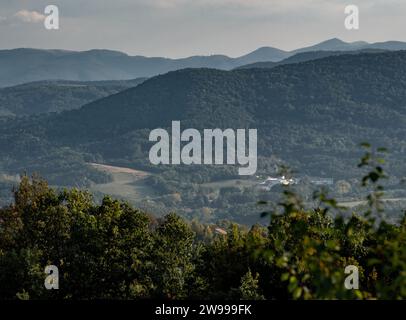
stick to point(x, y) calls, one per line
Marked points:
point(313, 115)
point(310, 116)
point(26, 65)
point(113, 251)
point(56, 96)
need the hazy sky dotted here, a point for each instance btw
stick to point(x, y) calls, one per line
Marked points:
point(179, 28)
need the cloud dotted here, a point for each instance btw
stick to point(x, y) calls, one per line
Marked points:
point(29, 16)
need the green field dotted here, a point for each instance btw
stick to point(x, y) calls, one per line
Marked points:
point(127, 184)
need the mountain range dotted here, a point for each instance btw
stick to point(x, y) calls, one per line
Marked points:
point(313, 115)
point(46, 96)
point(306, 56)
point(27, 65)
point(311, 112)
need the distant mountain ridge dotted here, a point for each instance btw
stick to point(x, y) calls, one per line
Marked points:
point(27, 65)
point(311, 115)
point(306, 56)
point(336, 45)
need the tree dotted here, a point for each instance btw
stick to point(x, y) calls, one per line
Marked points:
point(249, 289)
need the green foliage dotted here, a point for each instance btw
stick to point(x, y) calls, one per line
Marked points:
point(56, 96)
point(249, 288)
point(171, 265)
point(112, 251)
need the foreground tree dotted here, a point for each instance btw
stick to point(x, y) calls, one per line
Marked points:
point(113, 251)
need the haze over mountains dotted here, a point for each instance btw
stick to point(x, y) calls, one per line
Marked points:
point(26, 65)
point(311, 116)
point(306, 56)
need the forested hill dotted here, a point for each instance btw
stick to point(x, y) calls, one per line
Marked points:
point(367, 90)
point(26, 65)
point(55, 96)
point(313, 115)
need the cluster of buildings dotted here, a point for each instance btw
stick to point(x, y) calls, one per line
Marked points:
point(270, 182)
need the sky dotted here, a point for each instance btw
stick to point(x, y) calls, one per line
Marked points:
point(181, 28)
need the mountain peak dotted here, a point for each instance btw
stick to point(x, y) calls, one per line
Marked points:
point(334, 44)
point(334, 41)
point(264, 54)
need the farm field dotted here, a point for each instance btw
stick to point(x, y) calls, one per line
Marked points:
point(127, 184)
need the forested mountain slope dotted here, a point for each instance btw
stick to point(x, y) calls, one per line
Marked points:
point(313, 115)
point(55, 96)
